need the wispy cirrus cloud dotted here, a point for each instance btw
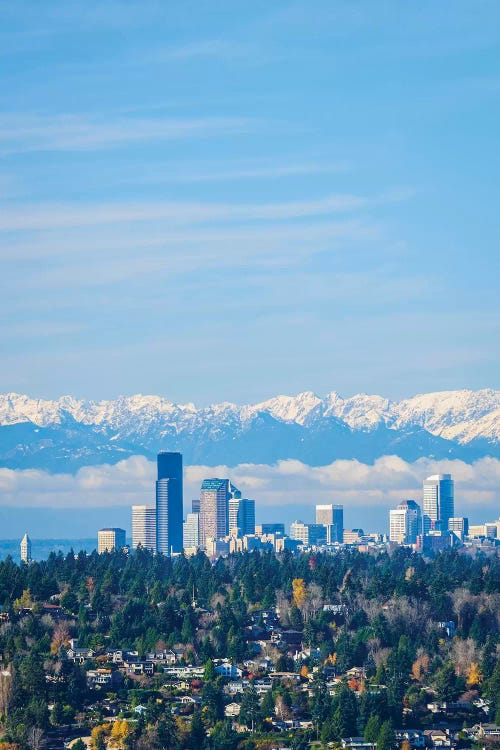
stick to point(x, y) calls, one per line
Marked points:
point(261, 172)
point(22, 133)
point(50, 216)
point(202, 48)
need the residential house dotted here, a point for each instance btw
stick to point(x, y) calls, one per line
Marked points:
point(182, 672)
point(138, 668)
point(357, 743)
point(438, 737)
point(449, 627)
point(80, 655)
point(235, 686)
point(232, 710)
point(415, 737)
point(226, 669)
point(167, 656)
point(104, 678)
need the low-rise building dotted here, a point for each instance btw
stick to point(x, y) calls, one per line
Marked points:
point(226, 669)
point(80, 655)
point(137, 668)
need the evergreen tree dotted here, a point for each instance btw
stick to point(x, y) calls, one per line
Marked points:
point(267, 705)
point(372, 729)
point(197, 734)
point(345, 713)
point(223, 737)
point(446, 683)
point(386, 739)
point(250, 708)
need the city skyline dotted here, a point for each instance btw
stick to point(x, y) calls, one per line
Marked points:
point(250, 382)
point(221, 521)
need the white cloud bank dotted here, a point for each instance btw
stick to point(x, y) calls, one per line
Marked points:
point(287, 483)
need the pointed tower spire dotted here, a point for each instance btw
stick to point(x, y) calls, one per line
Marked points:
point(26, 549)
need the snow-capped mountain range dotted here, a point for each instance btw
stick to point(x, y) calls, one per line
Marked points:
point(66, 433)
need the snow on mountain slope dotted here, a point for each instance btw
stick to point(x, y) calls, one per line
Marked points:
point(360, 412)
point(455, 415)
point(461, 416)
point(289, 408)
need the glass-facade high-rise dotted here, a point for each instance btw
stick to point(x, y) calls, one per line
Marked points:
point(214, 508)
point(241, 516)
point(169, 503)
point(438, 502)
point(405, 522)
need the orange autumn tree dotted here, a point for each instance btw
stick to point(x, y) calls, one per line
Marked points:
point(299, 592)
point(420, 667)
point(474, 676)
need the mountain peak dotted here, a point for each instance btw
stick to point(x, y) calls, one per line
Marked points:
point(461, 416)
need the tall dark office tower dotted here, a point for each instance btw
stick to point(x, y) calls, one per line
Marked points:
point(169, 503)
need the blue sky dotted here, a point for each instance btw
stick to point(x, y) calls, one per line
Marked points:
point(229, 200)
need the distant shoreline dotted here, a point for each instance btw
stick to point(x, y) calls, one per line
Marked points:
point(41, 548)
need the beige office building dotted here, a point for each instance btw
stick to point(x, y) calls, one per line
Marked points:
point(110, 539)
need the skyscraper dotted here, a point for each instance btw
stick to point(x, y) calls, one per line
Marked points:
point(214, 508)
point(439, 502)
point(241, 516)
point(144, 526)
point(331, 516)
point(169, 503)
point(26, 549)
point(405, 522)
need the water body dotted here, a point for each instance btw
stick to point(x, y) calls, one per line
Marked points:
point(41, 548)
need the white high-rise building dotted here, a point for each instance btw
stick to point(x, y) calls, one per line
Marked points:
point(26, 549)
point(405, 522)
point(191, 531)
point(144, 526)
point(439, 502)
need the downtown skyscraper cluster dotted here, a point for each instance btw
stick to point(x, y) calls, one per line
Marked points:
point(433, 525)
point(219, 511)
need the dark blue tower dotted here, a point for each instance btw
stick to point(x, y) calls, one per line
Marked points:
point(169, 503)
